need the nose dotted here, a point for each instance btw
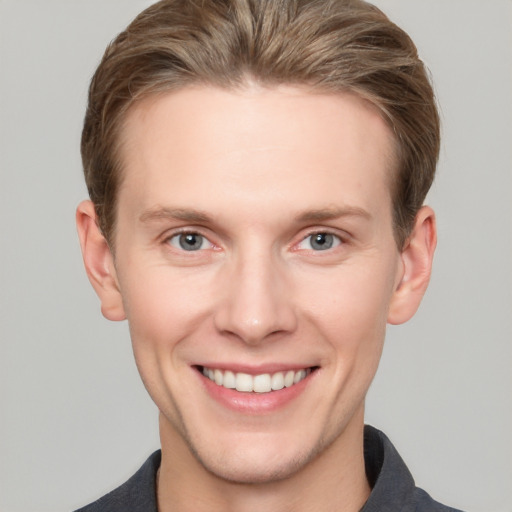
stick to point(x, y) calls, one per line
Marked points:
point(256, 302)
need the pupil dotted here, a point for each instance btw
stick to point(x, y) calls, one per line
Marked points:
point(190, 241)
point(322, 241)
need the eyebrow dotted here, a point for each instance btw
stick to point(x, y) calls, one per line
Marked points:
point(185, 214)
point(192, 215)
point(324, 214)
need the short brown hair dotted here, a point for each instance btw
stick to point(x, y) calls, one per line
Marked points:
point(328, 45)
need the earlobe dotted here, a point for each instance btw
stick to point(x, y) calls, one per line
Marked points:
point(417, 257)
point(99, 262)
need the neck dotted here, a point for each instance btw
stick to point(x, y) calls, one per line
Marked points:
point(334, 480)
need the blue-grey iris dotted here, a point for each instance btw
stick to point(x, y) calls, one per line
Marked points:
point(322, 241)
point(190, 241)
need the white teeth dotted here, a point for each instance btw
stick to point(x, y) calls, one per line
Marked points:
point(288, 379)
point(263, 383)
point(277, 381)
point(299, 376)
point(243, 382)
point(229, 380)
point(219, 378)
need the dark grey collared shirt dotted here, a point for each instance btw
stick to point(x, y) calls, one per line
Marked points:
point(393, 488)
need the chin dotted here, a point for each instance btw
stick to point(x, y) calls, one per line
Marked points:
point(255, 461)
point(249, 471)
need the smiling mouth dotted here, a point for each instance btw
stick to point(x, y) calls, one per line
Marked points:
point(262, 383)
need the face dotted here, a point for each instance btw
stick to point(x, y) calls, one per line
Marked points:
point(256, 264)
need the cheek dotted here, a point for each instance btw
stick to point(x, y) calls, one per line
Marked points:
point(350, 302)
point(162, 305)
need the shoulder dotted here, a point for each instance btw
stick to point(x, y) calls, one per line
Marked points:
point(393, 487)
point(424, 503)
point(137, 494)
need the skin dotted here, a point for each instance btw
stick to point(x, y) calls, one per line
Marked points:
point(257, 173)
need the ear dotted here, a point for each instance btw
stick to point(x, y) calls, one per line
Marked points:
point(99, 262)
point(417, 257)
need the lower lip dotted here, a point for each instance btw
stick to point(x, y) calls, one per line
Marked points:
point(255, 403)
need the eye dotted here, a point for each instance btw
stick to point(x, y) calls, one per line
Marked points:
point(320, 242)
point(189, 242)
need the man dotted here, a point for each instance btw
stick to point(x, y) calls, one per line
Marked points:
point(257, 172)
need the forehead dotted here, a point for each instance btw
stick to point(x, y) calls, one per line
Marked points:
point(255, 144)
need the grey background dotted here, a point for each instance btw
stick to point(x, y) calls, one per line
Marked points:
point(74, 419)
